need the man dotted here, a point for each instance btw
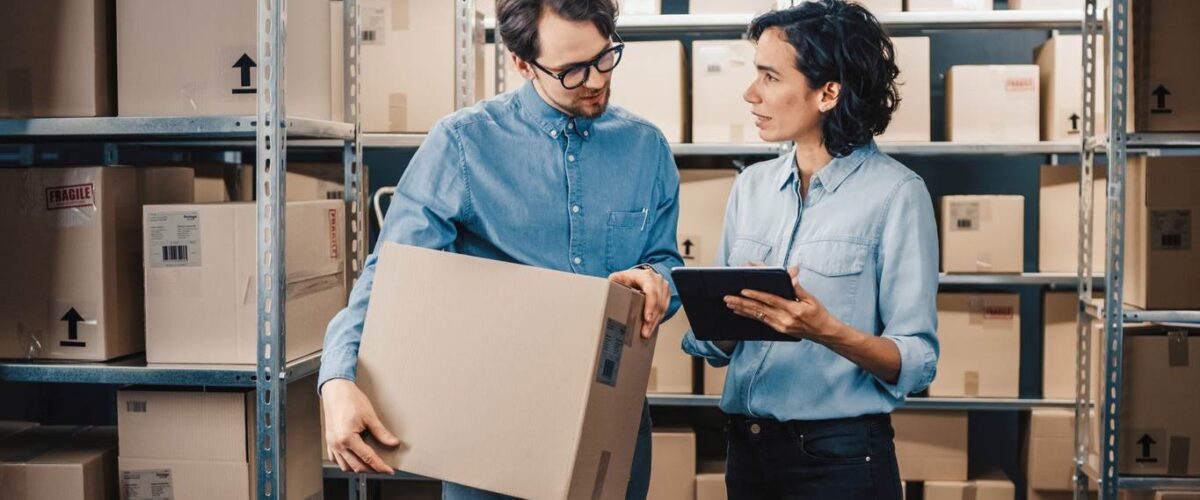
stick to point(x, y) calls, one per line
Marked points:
point(548, 176)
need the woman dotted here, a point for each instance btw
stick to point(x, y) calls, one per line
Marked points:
point(810, 419)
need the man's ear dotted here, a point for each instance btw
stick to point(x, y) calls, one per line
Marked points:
point(831, 92)
point(525, 69)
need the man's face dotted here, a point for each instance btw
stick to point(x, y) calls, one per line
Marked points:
point(564, 43)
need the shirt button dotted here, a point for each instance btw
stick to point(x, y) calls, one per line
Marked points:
point(571, 125)
point(585, 133)
point(570, 157)
point(575, 209)
point(578, 261)
point(553, 133)
point(755, 429)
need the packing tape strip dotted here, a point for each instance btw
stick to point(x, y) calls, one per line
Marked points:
point(970, 492)
point(398, 112)
point(601, 473)
point(1177, 455)
point(1177, 348)
point(20, 91)
point(971, 383)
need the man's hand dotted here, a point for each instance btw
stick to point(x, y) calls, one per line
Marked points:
point(804, 318)
point(348, 413)
point(657, 292)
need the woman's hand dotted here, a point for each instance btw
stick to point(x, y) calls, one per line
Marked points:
point(803, 318)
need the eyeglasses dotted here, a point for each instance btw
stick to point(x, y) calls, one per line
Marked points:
point(576, 75)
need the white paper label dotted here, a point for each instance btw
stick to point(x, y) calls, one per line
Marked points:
point(610, 354)
point(374, 22)
point(174, 239)
point(964, 216)
point(1171, 230)
point(712, 59)
point(147, 485)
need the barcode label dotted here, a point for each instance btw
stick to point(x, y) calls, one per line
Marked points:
point(174, 253)
point(713, 68)
point(610, 353)
point(1171, 230)
point(173, 239)
point(368, 35)
point(965, 215)
point(135, 407)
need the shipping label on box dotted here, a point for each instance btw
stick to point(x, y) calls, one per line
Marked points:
point(1162, 263)
point(996, 103)
point(982, 233)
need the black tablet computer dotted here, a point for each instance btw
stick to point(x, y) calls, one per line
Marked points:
point(703, 289)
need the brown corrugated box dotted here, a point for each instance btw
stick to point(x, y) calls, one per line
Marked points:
point(1060, 313)
point(1163, 95)
point(976, 489)
point(671, 370)
point(722, 70)
point(992, 103)
point(1058, 218)
point(1061, 74)
point(714, 379)
point(980, 336)
point(946, 5)
point(1160, 434)
point(710, 481)
point(305, 181)
point(59, 463)
point(982, 233)
point(1049, 450)
point(1162, 224)
point(673, 465)
point(56, 57)
point(185, 58)
point(658, 66)
point(910, 122)
point(575, 354)
point(931, 445)
point(202, 442)
point(81, 284)
point(201, 286)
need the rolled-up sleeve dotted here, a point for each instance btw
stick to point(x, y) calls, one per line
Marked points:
point(431, 200)
point(908, 284)
point(704, 348)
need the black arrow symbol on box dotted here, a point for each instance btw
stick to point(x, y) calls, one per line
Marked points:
point(1161, 93)
point(687, 247)
point(245, 63)
point(1146, 441)
point(1074, 121)
point(72, 318)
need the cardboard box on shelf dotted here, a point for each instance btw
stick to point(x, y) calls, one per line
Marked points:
point(56, 57)
point(305, 181)
point(982, 233)
point(710, 481)
point(673, 465)
point(714, 379)
point(202, 442)
point(911, 121)
point(581, 439)
point(992, 103)
point(671, 370)
point(1162, 219)
point(1060, 311)
point(1058, 219)
point(59, 463)
point(1048, 450)
point(1046, 5)
point(1061, 93)
point(730, 6)
point(931, 445)
point(79, 274)
point(980, 336)
point(658, 66)
point(1032, 494)
point(976, 489)
point(721, 72)
point(946, 5)
point(201, 285)
point(184, 58)
point(1162, 94)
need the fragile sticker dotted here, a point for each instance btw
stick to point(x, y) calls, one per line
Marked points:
point(173, 239)
point(610, 353)
point(333, 234)
point(964, 216)
point(75, 196)
point(147, 485)
point(1171, 230)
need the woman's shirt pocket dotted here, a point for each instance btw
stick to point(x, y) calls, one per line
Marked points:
point(831, 270)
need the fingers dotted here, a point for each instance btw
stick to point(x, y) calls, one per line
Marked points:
point(359, 451)
point(337, 458)
point(767, 298)
point(381, 433)
point(650, 308)
point(352, 462)
point(793, 272)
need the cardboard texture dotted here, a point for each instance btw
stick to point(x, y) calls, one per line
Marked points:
point(56, 57)
point(978, 489)
point(911, 121)
point(931, 445)
point(714, 379)
point(394, 97)
point(671, 369)
point(574, 354)
point(81, 284)
point(710, 481)
point(1159, 433)
point(202, 443)
point(1060, 71)
point(185, 58)
point(721, 72)
point(1162, 224)
point(1046, 5)
point(730, 6)
point(1163, 95)
point(673, 465)
point(982, 233)
point(59, 463)
point(1048, 451)
point(992, 103)
point(946, 5)
point(1058, 219)
point(658, 66)
point(1060, 312)
point(980, 337)
point(201, 286)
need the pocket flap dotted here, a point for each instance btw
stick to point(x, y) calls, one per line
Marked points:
point(833, 257)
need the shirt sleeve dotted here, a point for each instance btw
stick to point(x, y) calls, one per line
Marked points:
point(704, 348)
point(662, 250)
point(431, 199)
point(908, 284)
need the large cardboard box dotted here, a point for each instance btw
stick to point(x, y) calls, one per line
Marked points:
point(992, 103)
point(910, 122)
point(658, 66)
point(730, 6)
point(931, 445)
point(1061, 73)
point(1162, 95)
point(671, 369)
point(710, 481)
point(395, 98)
point(59, 463)
point(673, 465)
point(980, 337)
point(1160, 434)
point(185, 58)
point(1045, 5)
point(722, 70)
point(1058, 219)
point(1162, 219)
point(982, 233)
point(575, 354)
point(976, 489)
point(714, 379)
point(202, 288)
point(76, 260)
point(946, 5)
point(56, 57)
point(202, 443)
point(1060, 313)
point(305, 181)
point(1048, 451)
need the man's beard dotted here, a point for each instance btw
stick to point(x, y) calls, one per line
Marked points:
point(588, 110)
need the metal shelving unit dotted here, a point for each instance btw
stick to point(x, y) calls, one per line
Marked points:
point(134, 370)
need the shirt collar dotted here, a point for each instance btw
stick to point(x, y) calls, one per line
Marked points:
point(552, 121)
point(832, 175)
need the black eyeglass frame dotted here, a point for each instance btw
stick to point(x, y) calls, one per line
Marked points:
point(618, 48)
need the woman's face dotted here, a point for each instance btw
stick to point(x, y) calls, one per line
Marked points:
point(784, 106)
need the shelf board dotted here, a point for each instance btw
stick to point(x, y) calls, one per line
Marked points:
point(1134, 315)
point(1050, 279)
point(134, 370)
point(987, 404)
point(162, 128)
point(912, 21)
point(967, 148)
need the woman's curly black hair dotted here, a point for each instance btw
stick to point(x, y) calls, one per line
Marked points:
point(839, 41)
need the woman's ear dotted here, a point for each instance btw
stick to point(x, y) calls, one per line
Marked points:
point(830, 93)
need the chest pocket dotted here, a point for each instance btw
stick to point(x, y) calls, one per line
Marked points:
point(831, 271)
point(624, 239)
point(745, 251)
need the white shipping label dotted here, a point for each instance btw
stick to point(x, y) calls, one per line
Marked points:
point(146, 485)
point(174, 239)
point(712, 59)
point(374, 22)
point(1171, 230)
point(964, 216)
point(610, 353)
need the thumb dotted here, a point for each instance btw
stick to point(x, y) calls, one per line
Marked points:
point(801, 293)
point(380, 432)
point(794, 271)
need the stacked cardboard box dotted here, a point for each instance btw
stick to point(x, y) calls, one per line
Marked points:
point(714, 379)
point(658, 66)
point(1048, 451)
point(980, 338)
point(1061, 75)
point(982, 233)
point(77, 258)
point(1058, 219)
point(673, 465)
point(1162, 95)
point(996, 103)
point(910, 122)
point(721, 72)
point(305, 181)
point(59, 463)
point(1162, 215)
point(1060, 313)
point(931, 446)
point(710, 481)
point(977, 489)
